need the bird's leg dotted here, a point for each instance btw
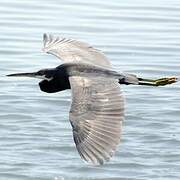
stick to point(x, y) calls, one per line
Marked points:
point(134, 80)
point(157, 82)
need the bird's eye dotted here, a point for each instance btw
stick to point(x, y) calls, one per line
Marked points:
point(41, 72)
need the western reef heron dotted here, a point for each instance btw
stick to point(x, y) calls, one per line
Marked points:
point(97, 108)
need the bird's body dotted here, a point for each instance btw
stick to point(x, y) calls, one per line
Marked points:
point(97, 108)
point(60, 80)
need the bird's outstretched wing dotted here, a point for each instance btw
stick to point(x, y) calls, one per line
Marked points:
point(96, 116)
point(70, 50)
point(97, 108)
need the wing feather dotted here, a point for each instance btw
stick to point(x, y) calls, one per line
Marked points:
point(70, 50)
point(96, 115)
point(97, 108)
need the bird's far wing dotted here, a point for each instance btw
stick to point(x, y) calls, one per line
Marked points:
point(70, 50)
point(96, 116)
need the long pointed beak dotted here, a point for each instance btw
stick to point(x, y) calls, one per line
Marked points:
point(32, 74)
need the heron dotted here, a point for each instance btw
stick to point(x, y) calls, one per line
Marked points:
point(97, 108)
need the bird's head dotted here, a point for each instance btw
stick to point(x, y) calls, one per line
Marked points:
point(52, 80)
point(45, 74)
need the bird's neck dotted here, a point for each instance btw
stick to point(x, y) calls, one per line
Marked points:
point(55, 85)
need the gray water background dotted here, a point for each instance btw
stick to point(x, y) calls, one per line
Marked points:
point(140, 37)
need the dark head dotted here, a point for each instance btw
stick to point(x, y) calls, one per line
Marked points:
point(53, 81)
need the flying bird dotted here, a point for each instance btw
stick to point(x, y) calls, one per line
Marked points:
point(97, 108)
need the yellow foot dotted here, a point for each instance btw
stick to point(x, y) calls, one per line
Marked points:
point(165, 81)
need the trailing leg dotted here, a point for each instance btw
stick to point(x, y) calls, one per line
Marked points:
point(147, 82)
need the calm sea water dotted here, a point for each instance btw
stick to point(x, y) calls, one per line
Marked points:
point(139, 36)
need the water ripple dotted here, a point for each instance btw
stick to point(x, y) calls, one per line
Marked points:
point(139, 37)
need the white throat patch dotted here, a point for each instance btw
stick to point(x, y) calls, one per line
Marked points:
point(44, 77)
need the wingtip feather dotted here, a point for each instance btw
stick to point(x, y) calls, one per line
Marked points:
point(45, 37)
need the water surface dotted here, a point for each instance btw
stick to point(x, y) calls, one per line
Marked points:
point(139, 37)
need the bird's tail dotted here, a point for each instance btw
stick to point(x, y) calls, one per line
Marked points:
point(129, 79)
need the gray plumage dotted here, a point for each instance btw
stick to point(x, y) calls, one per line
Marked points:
point(97, 108)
